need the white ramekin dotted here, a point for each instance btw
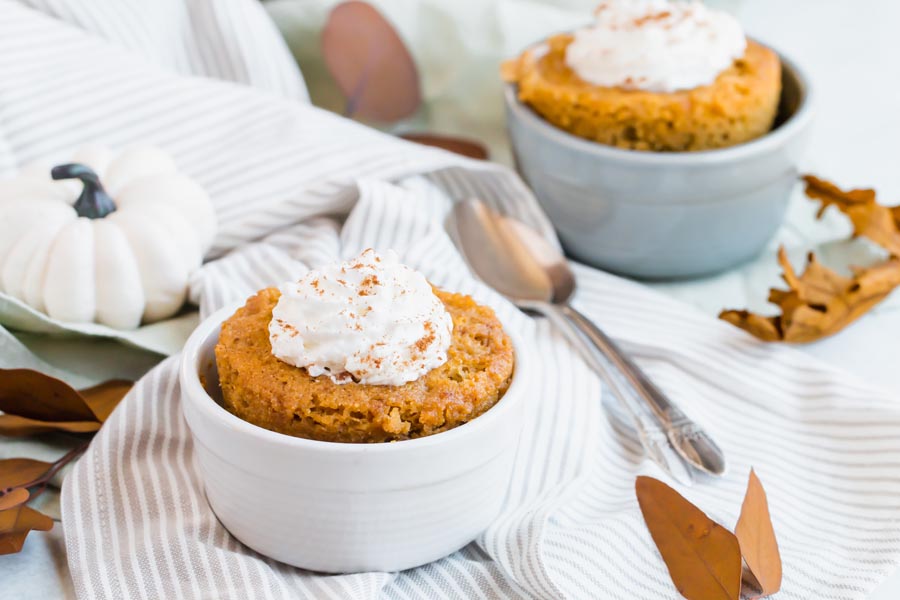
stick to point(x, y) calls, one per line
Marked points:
point(342, 508)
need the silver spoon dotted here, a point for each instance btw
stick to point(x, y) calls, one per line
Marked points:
point(520, 264)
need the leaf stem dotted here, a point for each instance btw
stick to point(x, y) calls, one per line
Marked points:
point(44, 479)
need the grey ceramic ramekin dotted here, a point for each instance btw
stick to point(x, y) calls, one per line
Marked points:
point(659, 215)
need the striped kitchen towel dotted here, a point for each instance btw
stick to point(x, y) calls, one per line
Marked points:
point(210, 82)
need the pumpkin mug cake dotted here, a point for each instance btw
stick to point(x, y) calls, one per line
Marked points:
point(363, 351)
point(653, 75)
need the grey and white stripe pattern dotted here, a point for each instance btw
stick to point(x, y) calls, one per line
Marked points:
point(137, 525)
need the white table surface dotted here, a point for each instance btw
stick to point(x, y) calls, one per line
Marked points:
point(851, 51)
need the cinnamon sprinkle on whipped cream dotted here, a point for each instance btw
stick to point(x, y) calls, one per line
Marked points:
point(655, 45)
point(369, 320)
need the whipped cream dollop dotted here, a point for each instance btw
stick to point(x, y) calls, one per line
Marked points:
point(655, 45)
point(370, 320)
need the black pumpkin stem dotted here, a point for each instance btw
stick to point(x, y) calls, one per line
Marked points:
point(94, 202)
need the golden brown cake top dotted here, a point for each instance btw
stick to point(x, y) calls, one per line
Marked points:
point(738, 106)
point(547, 65)
point(263, 390)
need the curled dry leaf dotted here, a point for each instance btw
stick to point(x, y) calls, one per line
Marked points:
point(463, 146)
point(16, 476)
point(36, 403)
point(16, 519)
point(819, 302)
point(756, 536)
point(370, 63)
point(17, 472)
point(870, 219)
point(13, 498)
point(703, 558)
point(15, 525)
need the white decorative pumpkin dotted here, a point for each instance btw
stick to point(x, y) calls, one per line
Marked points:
point(116, 247)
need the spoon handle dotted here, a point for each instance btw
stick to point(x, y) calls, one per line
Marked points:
point(688, 439)
point(651, 436)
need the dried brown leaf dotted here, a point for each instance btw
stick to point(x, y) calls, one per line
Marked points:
point(465, 147)
point(767, 329)
point(15, 472)
point(14, 425)
point(703, 558)
point(34, 395)
point(819, 302)
point(880, 224)
point(16, 523)
point(37, 403)
point(756, 537)
point(104, 397)
point(370, 63)
point(13, 498)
